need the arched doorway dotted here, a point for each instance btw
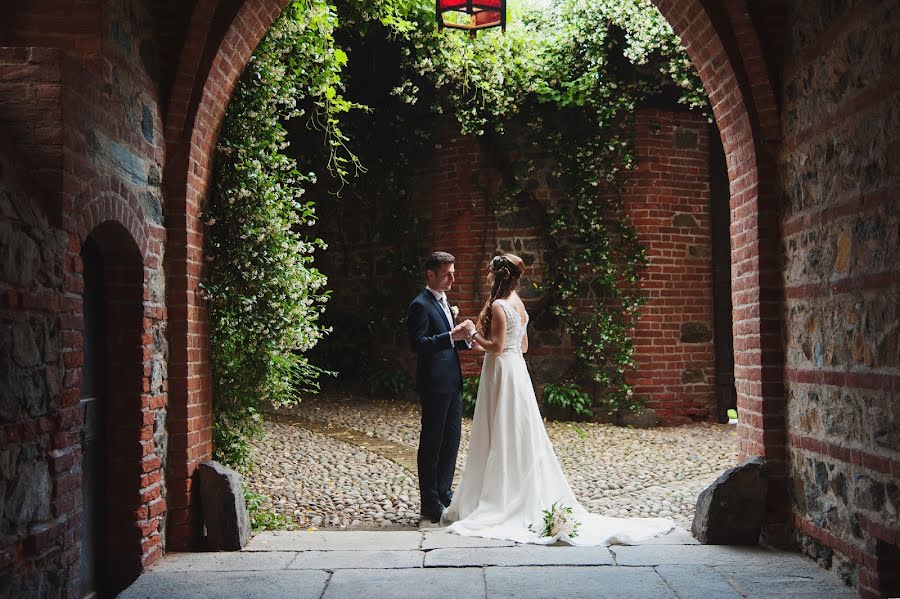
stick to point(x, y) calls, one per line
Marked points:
point(739, 91)
point(111, 401)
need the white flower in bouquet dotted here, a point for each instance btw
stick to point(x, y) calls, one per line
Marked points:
point(558, 521)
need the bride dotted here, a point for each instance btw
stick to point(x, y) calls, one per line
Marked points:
point(511, 474)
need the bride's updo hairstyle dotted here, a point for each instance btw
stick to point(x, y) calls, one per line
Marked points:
point(507, 270)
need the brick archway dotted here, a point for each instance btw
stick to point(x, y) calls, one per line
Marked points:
point(743, 105)
point(134, 397)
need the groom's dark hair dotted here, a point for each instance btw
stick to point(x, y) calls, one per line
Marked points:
point(436, 259)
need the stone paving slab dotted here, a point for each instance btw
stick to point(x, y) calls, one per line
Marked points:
point(340, 560)
point(566, 582)
point(353, 564)
point(790, 581)
point(225, 561)
point(678, 536)
point(522, 555)
point(279, 584)
point(451, 583)
point(440, 539)
point(335, 541)
point(710, 555)
point(691, 581)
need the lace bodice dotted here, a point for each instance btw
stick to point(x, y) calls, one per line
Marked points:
point(515, 328)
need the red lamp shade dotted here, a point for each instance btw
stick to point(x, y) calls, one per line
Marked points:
point(481, 14)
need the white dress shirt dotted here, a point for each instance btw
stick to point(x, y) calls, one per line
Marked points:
point(441, 298)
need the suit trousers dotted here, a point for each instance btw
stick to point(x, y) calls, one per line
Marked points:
point(438, 445)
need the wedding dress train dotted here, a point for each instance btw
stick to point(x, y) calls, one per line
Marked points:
point(512, 474)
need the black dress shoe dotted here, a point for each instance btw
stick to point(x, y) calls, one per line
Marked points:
point(432, 513)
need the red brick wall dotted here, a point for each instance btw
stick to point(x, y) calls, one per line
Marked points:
point(450, 195)
point(667, 198)
point(216, 49)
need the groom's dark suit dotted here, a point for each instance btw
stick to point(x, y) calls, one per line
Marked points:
point(439, 385)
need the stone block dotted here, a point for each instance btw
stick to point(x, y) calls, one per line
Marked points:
point(152, 205)
point(686, 139)
point(21, 257)
point(515, 219)
point(296, 584)
point(731, 511)
point(224, 509)
point(336, 540)
point(695, 332)
point(441, 539)
point(521, 555)
point(692, 375)
point(573, 581)
point(235, 561)
point(25, 348)
point(643, 418)
point(413, 583)
point(685, 220)
point(28, 499)
point(355, 559)
point(697, 581)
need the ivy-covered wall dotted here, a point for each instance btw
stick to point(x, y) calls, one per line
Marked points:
point(453, 205)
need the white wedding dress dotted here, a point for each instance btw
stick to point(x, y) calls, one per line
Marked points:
point(512, 473)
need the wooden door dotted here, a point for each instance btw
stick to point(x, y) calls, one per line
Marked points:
point(93, 434)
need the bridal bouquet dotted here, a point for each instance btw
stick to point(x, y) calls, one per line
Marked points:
point(558, 521)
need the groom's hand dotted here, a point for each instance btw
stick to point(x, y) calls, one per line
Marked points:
point(460, 331)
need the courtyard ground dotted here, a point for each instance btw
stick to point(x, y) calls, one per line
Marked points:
point(349, 462)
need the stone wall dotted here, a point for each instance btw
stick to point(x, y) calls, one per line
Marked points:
point(841, 222)
point(35, 454)
point(85, 87)
point(452, 196)
point(83, 160)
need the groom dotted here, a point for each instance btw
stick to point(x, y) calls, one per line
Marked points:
point(435, 338)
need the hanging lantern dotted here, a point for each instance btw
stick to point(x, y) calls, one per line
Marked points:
point(473, 15)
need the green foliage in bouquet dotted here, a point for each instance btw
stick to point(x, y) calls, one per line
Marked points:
point(558, 520)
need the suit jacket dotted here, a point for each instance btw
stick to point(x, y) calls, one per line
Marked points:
point(437, 366)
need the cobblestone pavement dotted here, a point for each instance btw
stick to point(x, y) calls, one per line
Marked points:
point(335, 462)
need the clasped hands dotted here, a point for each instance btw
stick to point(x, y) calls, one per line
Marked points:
point(463, 331)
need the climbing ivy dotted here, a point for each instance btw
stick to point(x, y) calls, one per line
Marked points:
point(571, 71)
point(265, 297)
point(569, 74)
